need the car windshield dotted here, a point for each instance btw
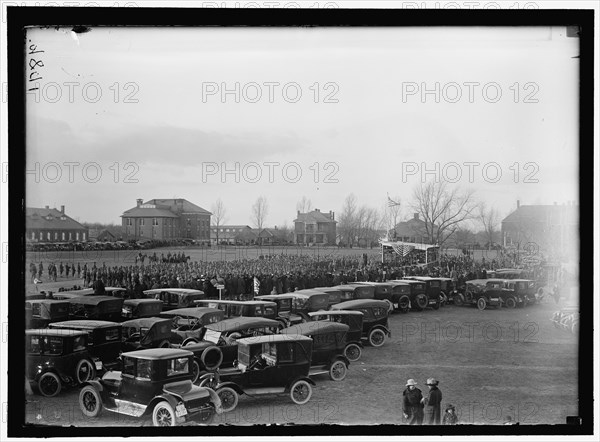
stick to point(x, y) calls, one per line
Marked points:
point(285, 304)
point(177, 366)
point(144, 369)
point(112, 334)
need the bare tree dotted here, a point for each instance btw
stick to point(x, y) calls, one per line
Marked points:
point(304, 205)
point(347, 219)
point(443, 209)
point(489, 219)
point(260, 210)
point(218, 217)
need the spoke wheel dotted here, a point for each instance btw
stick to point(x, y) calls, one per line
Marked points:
point(49, 384)
point(229, 398)
point(353, 352)
point(90, 402)
point(85, 371)
point(481, 304)
point(338, 370)
point(511, 302)
point(301, 392)
point(163, 415)
point(376, 338)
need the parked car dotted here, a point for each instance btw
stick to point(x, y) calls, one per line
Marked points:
point(476, 293)
point(41, 312)
point(119, 292)
point(527, 290)
point(174, 298)
point(383, 291)
point(57, 358)
point(144, 333)
point(329, 344)
point(104, 340)
point(334, 294)
point(141, 308)
point(274, 364)
point(218, 347)
point(187, 324)
point(153, 382)
point(375, 318)
point(284, 308)
point(104, 308)
point(354, 320)
point(432, 290)
point(234, 309)
point(418, 295)
point(309, 300)
point(448, 290)
point(360, 291)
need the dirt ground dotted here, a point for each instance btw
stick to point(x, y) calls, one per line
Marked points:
point(491, 364)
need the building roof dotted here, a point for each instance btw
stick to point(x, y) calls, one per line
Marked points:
point(538, 213)
point(275, 233)
point(49, 219)
point(165, 208)
point(313, 217)
point(185, 205)
point(141, 212)
point(412, 227)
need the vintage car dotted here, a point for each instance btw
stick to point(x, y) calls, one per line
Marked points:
point(119, 292)
point(418, 294)
point(218, 347)
point(187, 324)
point(105, 308)
point(329, 344)
point(141, 308)
point(375, 318)
point(527, 290)
point(273, 364)
point(354, 320)
point(384, 292)
point(334, 294)
point(477, 293)
point(175, 298)
point(359, 291)
point(284, 308)
point(104, 340)
point(448, 290)
point(432, 290)
point(57, 358)
point(567, 319)
point(154, 382)
point(144, 333)
point(41, 312)
point(309, 300)
point(234, 309)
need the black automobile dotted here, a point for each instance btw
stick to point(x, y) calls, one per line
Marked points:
point(104, 340)
point(41, 312)
point(266, 365)
point(104, 308)
point(329, 344)
point(233, 309)
point(334, 294)
point(145, 333)
point(375, 318)
point(187, 324)
point(57, 358)
point(153, 383)
point(354, 320)
point(477, 293)
point(356, 291)
point(141, 308)
point(284, 308)
point(433, 287)
point(383, 291)
point(418, 295)
point(218, 345)
point(173, 298)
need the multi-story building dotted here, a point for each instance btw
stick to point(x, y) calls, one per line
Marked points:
point(229, 234)
point(315, 228)
point(413, 230)
point(164, 219)
point(51, 225)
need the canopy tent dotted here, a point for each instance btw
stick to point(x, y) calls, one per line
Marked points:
point(404, 248)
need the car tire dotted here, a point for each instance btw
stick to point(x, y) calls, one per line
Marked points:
point(437, 305)
point(376, 337)
point(352, 352)
point(511, 302)
point(163, 415)
point(229, 398)
point(195, 371)
point(211, 358)
point(338, 370)
point(90, 402)
point(422, 302)
point(300, 392)
point(189, 341)
point(49, 384)
point(84, 371)
point(459, 299)
point(481, 303)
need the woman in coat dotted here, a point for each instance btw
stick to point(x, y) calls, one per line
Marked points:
point(433, 407)
point(412, 403)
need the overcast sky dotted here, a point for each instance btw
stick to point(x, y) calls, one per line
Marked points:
point(162, 121)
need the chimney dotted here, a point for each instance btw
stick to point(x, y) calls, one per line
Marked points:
point(518, 204)
point(47, 207)
point(317, 210)
point(416, 216)
point(62, 209)
point(139, 202)
point(298, 213)
point(333, 216)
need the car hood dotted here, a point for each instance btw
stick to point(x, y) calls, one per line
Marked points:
point(186, 390)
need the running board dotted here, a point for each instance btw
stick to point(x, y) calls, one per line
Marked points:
point(259, 391)
point(128, 408)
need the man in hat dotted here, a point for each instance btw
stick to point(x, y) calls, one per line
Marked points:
point(412, 405)
point(433, 412)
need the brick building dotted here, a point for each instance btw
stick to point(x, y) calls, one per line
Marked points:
point(52, 225)
point(315, 228)
point(165, 219)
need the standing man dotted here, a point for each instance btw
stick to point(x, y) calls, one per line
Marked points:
point(412, 405)
point(433, 407)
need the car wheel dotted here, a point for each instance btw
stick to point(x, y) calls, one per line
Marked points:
point(481, 303)
point(229, 398)
point(212, 357)
point(376, 337)
point(84, 371)
point(352, 352)
point(390, 306)
point(301, 392)
point(49, 384)
point(90, 402)
point(338, 370)
point(189, 341)
point(209, 381)
point(459, 299)
point(195, 371)
point(422, 302)
point(437, 305)
point(511, 302)
point(163, 415)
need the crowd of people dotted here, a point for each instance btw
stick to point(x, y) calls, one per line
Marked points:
point(282, 273)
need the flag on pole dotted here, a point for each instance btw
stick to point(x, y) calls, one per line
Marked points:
point(256, 285)
point(391, 202)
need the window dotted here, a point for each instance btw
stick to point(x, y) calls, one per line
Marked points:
point(128, 366)
point(53, 345)
point(129, 223)
point(141, 221)
point(77, 236)
point(35, 309)
point(70, 236)
point(48, 236)
point(189, 222)
point(112, 334)
point(154, 222)
point(33, 344)
point(286, 352)
point(178, 366)
point(56, 235)
point(144, 369)
point(79, 343)
point(63, 236)
point(32, 235)
point(83, 236)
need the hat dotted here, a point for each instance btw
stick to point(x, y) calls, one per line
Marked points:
point(411, 382)
point(450, 407)
point(432, 381)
